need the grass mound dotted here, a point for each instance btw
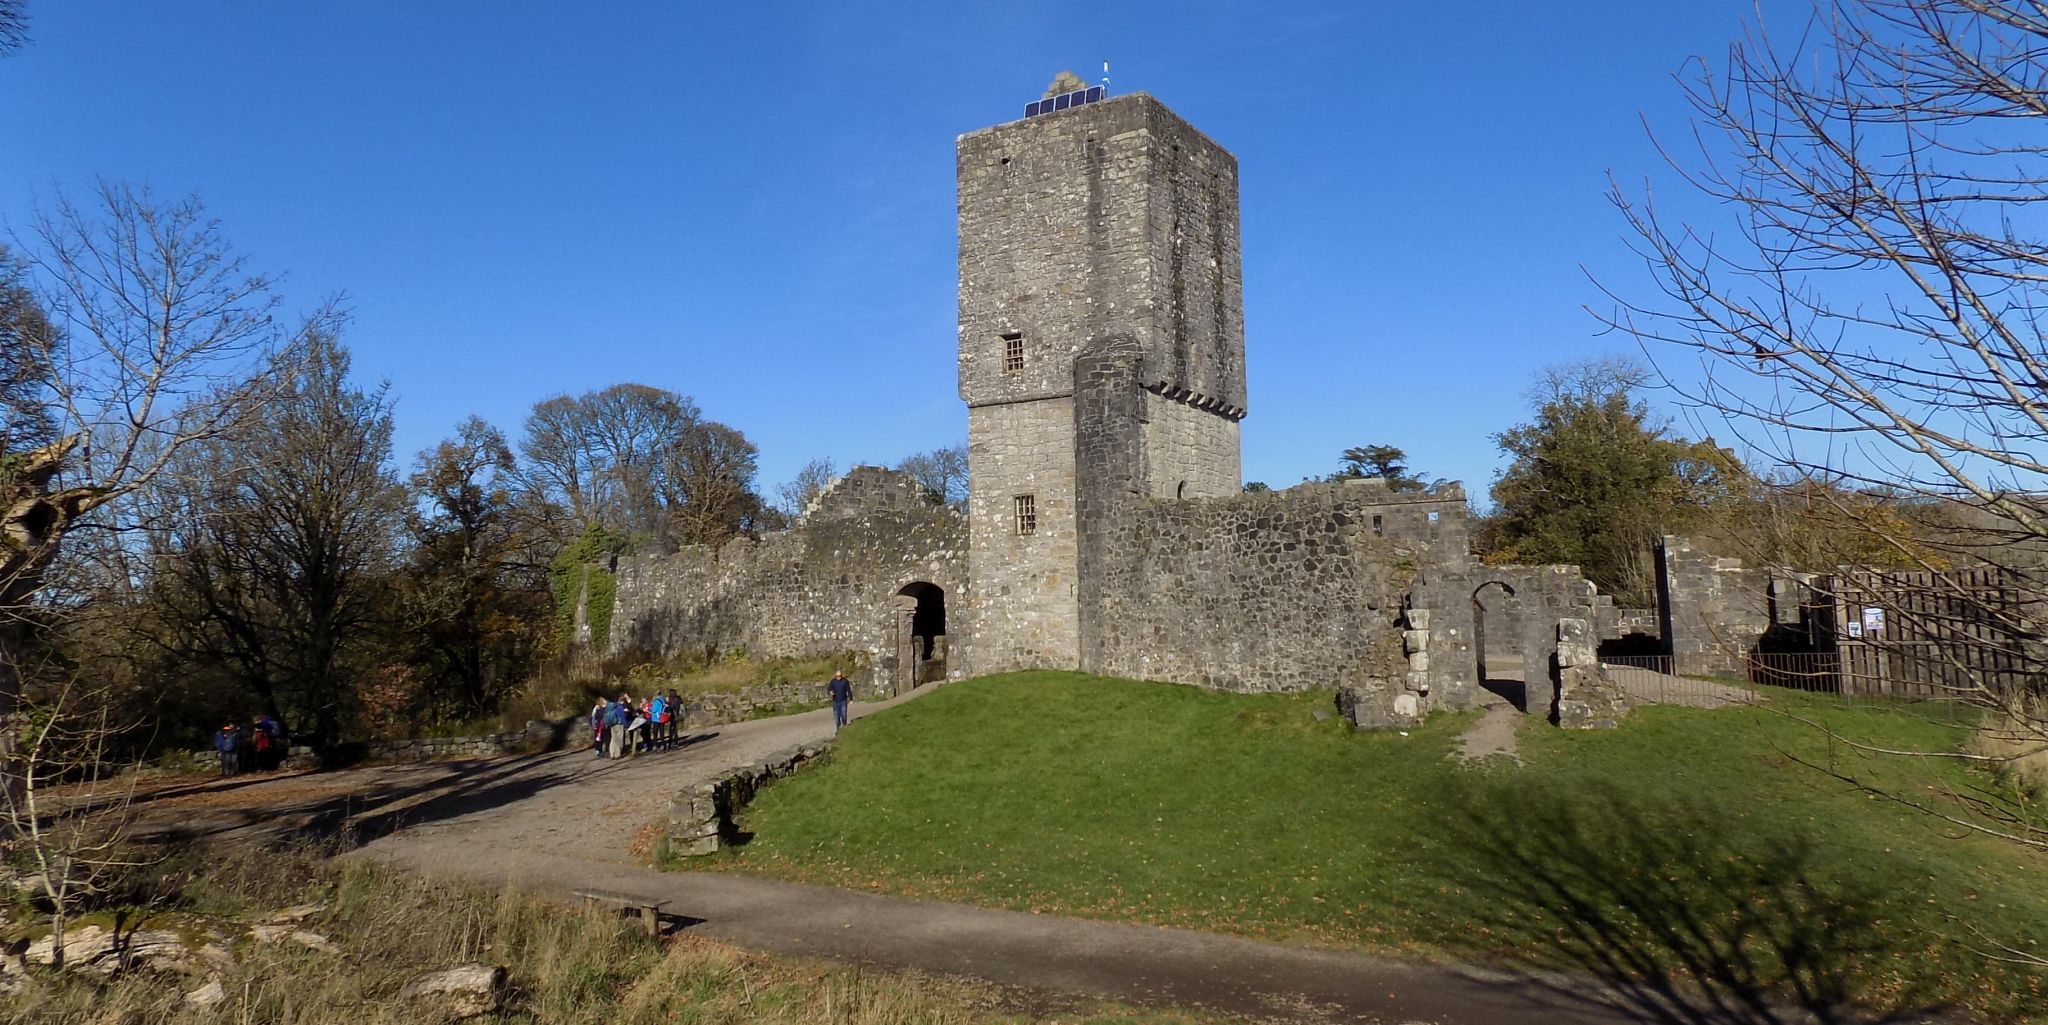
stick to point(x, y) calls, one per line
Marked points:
point(1685, 850)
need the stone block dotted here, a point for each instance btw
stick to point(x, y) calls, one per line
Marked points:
point(1418, 619)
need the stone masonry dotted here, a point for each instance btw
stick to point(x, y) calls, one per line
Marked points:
point(1101, 356)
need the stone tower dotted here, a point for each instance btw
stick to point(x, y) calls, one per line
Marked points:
point(1111, 220)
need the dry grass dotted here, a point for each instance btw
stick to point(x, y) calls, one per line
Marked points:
point(567, 965)
point(2023, 746)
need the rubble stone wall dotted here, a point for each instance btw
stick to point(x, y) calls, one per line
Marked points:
point(827, 585)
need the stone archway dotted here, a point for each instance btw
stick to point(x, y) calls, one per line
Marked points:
point(1502, 664)
point(920, 634)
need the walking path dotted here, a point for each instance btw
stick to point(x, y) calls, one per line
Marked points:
point(552, 824)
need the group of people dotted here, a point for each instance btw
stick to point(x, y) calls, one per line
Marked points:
point(259, 748)
point(621, 726)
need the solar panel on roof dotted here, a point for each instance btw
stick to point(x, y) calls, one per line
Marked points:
point(1031, 109)
point(1094, 94)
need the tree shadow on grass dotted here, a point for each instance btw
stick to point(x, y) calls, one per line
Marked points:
point(1685, 914)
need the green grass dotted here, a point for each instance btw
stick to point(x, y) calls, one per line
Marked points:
point(1686, 848)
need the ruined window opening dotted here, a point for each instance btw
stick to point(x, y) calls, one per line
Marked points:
point(1027, 515)
point(1013, 352)
point(1433, 514)
point(1180, 490)
point(1378, 526)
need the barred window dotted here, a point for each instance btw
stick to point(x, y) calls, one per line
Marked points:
point(1013, 352)
point(1027, 514)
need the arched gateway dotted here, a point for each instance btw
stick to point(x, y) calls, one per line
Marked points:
point(920, 631)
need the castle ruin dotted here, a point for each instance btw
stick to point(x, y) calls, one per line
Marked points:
point(1101, 358)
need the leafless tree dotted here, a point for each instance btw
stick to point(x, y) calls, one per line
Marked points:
point(272, 547)
point(796, 495)
point(1872, 318)
point(147, 336)
point(942, 472)
point(13, 25)
point(68, 815)
point(598, 458)
point(708, 485)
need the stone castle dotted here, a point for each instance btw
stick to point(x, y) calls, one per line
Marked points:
point(1101, 358)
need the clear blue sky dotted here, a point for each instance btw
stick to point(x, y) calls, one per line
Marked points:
point(753, 203)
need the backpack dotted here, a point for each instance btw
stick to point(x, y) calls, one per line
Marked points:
point(262, 740)
point(615, 714)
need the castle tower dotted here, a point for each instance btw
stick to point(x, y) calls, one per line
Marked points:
point(1093, 219)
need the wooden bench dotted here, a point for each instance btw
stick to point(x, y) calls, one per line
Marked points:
point(648, 908)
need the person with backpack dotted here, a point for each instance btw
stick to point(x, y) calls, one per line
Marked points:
point(675, 717)
point(615, 719)
point(228, 742)
point(597, 728)
point(657, 720)
point(269, 741)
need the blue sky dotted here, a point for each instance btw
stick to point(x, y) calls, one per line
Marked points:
point(753, 203)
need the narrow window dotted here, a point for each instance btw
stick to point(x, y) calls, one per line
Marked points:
point(1013, 352)
point(1378, 526)
point(1027, 514)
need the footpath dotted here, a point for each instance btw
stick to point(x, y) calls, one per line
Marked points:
point(556, 823)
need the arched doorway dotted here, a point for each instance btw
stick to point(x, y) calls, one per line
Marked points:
point(920, 634)
point(1502, 672)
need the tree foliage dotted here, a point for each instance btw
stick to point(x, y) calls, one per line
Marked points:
point(471, 598)
point(1594, 480)
point(1381, 462)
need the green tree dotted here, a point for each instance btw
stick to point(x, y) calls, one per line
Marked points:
point(472, 604)
point(1384, 462)
point(1594, 481)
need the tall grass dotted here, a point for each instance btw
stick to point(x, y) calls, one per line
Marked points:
point(568, 966)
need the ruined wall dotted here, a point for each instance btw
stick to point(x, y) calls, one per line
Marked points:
point(1523, 628)
point(1713, 610)
point(824, 586)
point(1277, 591)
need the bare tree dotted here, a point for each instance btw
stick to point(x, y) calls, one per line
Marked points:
point(1874, 319)
point(942, 472)
point(13, 25)
point(146, 338)
point(68, 816)
point(598, 458)
point(796, 495)
point(708, 484)
point(273, 547)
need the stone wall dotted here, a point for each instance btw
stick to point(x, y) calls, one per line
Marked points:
point(1277, 591)
point(1023, 608)
point(1713, 609)
point(702, 817)
point(829, 584)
